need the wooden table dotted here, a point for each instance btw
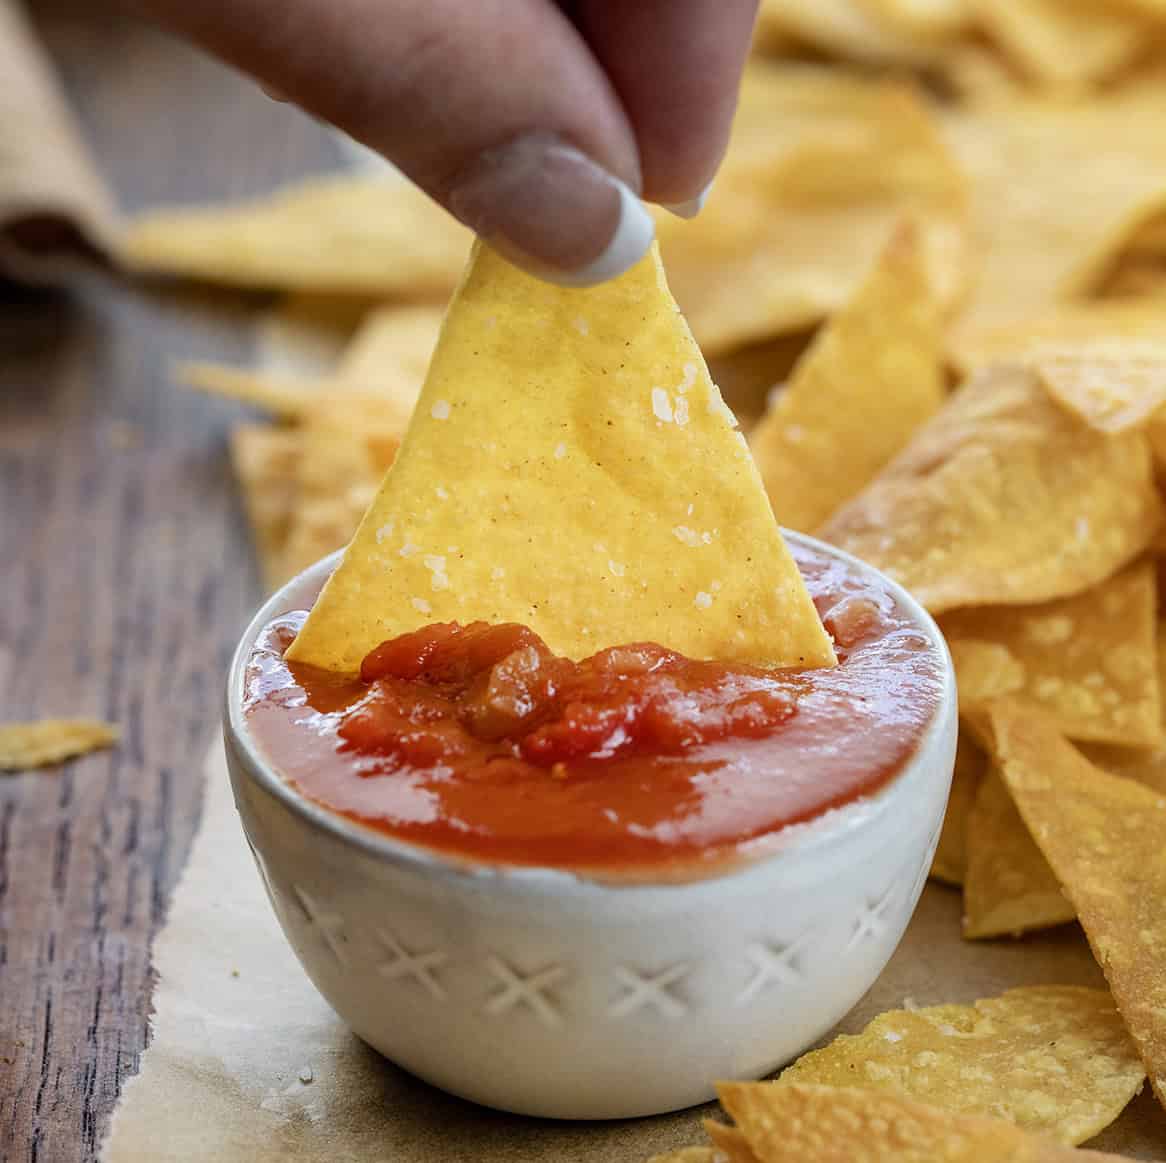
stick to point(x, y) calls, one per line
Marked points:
point(125, 575)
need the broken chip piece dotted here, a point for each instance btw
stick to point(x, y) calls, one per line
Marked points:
point(47, 742)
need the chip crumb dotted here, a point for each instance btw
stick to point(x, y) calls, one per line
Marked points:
point(47, 742)
point(306, 1076)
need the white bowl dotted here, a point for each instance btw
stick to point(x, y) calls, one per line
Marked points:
point(546, 993)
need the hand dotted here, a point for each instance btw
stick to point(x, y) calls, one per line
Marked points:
point(536, 123)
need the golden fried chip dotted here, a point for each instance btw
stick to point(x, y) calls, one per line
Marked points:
point(1009, 888)
point(872, 375)
point(822, 168)
point(826, 1124)
point(846, 28)
point(984, 670)
point(572, 467)
point(925, 18)
point(356, 235)
point(1070, 327)
point(950, 861)
point(282, 396)
point(1035, 243)
point(1113, 385)
point(266, 463)
point(1089, 661)
point(386, 360)
point(1053, 1059)
point(1004, 497)
point(47, 742)
point(1105, 838)
point(1063, 43)
point(731, 1144)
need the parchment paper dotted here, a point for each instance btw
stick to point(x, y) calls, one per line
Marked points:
point(248, 1063)
point(53, 204)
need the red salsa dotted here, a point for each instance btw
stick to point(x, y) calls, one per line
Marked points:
point(478, 742)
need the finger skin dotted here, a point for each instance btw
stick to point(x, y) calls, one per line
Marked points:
point(676, 65)
point(429, 83)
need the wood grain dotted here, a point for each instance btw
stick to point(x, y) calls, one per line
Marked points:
point(125, 575)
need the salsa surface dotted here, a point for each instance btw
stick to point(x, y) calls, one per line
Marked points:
point(475, 741)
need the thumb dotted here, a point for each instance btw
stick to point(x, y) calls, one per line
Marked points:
point(497, 109)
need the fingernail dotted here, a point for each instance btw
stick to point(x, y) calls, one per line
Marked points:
point(692, 207)
point(553, 211)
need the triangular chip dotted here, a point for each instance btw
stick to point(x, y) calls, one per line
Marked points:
point(1113, 385)
point(1036, 244)
point(870, 378)
point(378, 236)
point(1009, 887)
point(1054, 1059)
point(1004, 497)
point(829, 1124)
point(1105, 838)
point(1070, 328)
point(949, 865)
point(1089, 661)
point(572, 467)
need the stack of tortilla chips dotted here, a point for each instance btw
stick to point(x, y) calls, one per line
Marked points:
point(933, 272)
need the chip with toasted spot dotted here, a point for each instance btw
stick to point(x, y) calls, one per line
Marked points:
point(1105, 838)
point(572, 467)
point(872, 375)
point(950, 860)
point(826, 1124)
point(1003, 497)
point(1053, 1059)
point(1009, 887)
point(47, 742)
point(1089, 661)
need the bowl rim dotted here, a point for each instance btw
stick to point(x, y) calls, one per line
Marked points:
point(828, 829)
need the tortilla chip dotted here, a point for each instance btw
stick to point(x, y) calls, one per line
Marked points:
point(386, 360)
point(1010, 888)
point(47, 742)
point(825, 1124)
point(355, 235)
point(266, 462)
point(1063, 43)
point(572, 467)
point(926, 18)
point(1105, 838)
point(283, 397)
point(1036, 244)
point(1069, 327)
point(1053, 1059)
point(854, 31)
point(1003, 497)
point(951, 854)
point(750, 376)
point(822, 168)
point(731, 1145)
point(869, 379)
point(1113, 385)
point(1089, 661)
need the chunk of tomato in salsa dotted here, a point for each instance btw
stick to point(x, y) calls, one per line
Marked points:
point(482, 691)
